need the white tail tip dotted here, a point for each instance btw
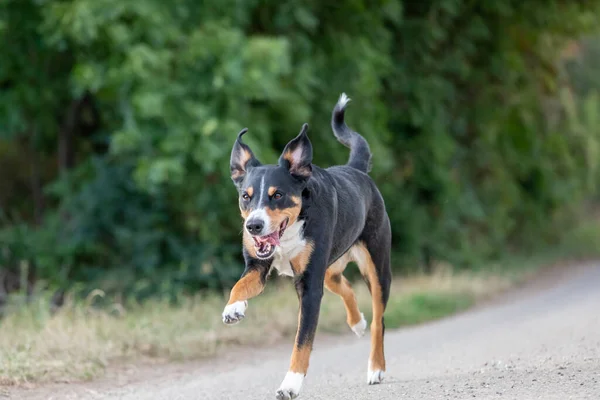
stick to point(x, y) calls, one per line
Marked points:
point(344, 99)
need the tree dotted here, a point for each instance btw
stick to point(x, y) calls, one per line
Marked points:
point(137, 103)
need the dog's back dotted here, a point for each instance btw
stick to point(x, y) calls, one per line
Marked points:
point(346, 193)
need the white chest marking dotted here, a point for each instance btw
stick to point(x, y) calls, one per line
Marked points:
point(292, 243)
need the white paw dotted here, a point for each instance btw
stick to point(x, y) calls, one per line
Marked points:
point(290, 387)
point(234, 313)
point(374, 377)
point(360, 328)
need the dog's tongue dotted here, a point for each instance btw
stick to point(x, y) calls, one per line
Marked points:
point(272, 239)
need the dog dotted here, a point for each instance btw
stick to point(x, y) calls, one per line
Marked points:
point(309, 223)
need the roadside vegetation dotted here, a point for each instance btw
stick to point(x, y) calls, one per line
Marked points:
point(82, 340)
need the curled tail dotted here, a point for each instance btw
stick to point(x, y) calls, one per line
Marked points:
point(360, 154)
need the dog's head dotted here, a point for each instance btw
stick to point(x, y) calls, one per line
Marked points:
point(270, 196)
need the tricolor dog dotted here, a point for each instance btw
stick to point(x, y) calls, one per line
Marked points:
point(309, 223)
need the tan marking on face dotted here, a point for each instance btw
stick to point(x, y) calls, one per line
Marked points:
point(301, 260)
point(337, 283)
point(368, 269)
point(272, 190)
point(245, 213)
point(297, 200)
point(277, 216)
point(249, 286)
point(249, 244)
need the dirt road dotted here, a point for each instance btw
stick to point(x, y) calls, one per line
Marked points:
point(540, 344)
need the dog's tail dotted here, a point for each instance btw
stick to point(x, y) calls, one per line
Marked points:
point(360, 153)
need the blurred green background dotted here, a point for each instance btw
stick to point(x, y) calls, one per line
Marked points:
point(117, 120)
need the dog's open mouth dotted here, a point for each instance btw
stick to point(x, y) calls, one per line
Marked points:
point(265, 245)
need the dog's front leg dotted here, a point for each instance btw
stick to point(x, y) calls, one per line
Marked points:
point(251, 284)
point(310, 292)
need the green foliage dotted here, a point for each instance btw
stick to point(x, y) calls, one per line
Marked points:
point(451, 94)
point(422, 307)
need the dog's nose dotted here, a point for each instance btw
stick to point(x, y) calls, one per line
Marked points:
point(255, 226)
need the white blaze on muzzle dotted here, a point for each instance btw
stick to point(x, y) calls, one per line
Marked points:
point(261, 216)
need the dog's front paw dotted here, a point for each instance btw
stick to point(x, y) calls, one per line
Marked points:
point(234, 313)
point(284, 394)
point(374, 377)
point(290, 387)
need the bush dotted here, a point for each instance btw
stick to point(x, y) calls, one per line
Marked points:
point(452, 95)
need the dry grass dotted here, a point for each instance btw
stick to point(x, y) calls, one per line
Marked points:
point(80, 342)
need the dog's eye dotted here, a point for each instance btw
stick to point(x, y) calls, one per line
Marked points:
point(277, 195)
point(246, 197)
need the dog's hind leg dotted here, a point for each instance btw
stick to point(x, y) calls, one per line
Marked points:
point(337, 283)
point(373, 258)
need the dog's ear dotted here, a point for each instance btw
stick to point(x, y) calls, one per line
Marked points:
point(297, 155)
point(242, 159)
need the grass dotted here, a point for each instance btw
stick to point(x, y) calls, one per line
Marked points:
point(80, 342)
